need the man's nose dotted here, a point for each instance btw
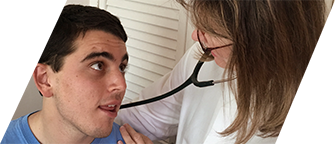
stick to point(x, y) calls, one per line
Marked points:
point(116, 81)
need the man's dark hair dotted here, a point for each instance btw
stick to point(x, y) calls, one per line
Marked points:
point(73, 21)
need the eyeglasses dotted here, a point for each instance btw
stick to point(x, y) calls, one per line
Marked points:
point(206, 49)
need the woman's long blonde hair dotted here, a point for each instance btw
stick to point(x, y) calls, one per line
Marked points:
point(273, 43)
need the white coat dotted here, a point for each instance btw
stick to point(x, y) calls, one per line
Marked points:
point(194, 114)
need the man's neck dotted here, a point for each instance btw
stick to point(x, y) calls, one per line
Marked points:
point(49, 129)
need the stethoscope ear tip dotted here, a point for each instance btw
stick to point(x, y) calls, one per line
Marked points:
point(206, 56)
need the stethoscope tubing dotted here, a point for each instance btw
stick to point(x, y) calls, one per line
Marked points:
point(190, 80)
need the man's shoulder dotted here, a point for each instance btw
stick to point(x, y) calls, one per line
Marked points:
point(11, 125)
point(11, 130)
point(18, 131)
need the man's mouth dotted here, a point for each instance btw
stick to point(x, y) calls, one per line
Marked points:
point(111, 106)
point(110, 110)
point(108, 107)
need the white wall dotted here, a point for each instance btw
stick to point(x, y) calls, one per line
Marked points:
point(18, 94)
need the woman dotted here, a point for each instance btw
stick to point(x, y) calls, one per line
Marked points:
point(262, 48)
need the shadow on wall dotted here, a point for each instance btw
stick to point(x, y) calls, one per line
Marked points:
point(18, 94)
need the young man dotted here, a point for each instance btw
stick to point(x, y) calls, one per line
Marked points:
point(81, 77)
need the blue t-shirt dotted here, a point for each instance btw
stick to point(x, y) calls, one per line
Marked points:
point(19, 132)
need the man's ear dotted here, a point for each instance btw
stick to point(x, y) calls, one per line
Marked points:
point(41, 77)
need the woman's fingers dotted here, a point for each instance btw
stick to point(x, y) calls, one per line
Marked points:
point(137, 138)
point(130, 136)
point(125, 134)
point(146, 140)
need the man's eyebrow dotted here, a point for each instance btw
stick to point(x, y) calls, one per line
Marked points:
point(104, 54)
point(125, 57)
point(98, 54)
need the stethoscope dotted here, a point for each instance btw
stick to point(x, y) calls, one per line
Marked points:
point(190, 80)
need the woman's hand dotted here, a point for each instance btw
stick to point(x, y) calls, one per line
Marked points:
point(130, 136)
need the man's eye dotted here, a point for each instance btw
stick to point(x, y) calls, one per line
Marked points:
point(97, 66)
point(123, 68)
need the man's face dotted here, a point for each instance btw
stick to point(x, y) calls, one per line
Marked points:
point(89, 88)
